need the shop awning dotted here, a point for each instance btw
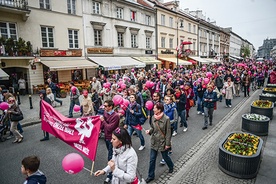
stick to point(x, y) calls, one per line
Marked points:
point(64, 63)
point(212, 60)
point(117, 63)
point(199, 59)
point(230, 57)
point(3, 75)
point(147, 60)
point(174, 60)
point(236, 57)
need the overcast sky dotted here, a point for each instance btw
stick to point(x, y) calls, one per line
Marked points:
point(254, 20)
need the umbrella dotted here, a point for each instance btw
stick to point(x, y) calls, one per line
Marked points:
point(192, 61)
point(186, 43)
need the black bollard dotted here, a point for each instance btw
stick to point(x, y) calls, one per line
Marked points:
point(18, 98)
point(31, 103)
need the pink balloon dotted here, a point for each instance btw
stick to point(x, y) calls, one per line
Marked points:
point(151, 84)
point(123, 86)
point(190, 72)
point(76, 108)
point(123, 107)
point(149, 105)
point(4, 106)
point(234, 71)
point(148, 84)
point(108, 84)
point(203, 68)
point(72, 163)
point(104, 85)
point(121, 111)
point(125, 102)
point(169, 75)
point(120, 83)
point(118, 100)
point(209, 74)
point(206, 81)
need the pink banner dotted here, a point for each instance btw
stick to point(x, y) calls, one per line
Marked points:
point(80, 133)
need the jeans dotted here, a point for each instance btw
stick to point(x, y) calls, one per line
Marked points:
point(153, 155)
point(182, 115)
point(220, 97)
point(130, 130)
point(109, 154)
point(73, 102)
point(199, 104)
point(228, 102)
point(246, 91)
point(19, 128)
point(208, 112)
point(237, 89)
point(55, 98)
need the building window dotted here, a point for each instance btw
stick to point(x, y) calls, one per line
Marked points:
point(163, 45)
point(73, 39)
point(148, 20)
point(171, 43)
point(181, 24)
point(194, 46)
point(133, 16)
point(71, 6)
point(163, 20)
point(47, 35)
point(8, 30)
point(98, 37)
point(96, 7)
point(120, 39)
point(120, 13)
point(189, 27)
point(148, 42)
point(44, 4)
point(134, 41)
point(171, 22)
point(194, 29)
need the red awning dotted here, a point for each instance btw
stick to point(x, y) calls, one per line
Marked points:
point(193, 62)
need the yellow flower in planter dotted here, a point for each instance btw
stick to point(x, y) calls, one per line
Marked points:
point(262, 103)
point(242, 144)
point(270, 89)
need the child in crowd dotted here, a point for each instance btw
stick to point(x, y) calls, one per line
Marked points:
point(29, 168)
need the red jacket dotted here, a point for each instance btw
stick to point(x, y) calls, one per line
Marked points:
point(110, 123)
point(273, 77)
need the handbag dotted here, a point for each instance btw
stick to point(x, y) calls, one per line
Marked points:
point(191, 103)
point(17, 117)
point(223, 91)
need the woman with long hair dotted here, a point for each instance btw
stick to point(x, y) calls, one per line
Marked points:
point(124, 161)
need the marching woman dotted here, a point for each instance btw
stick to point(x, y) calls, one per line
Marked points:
point(160, 131)
point(124, 161)
point(229, 92)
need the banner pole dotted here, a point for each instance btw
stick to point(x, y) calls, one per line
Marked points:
point(92, 168)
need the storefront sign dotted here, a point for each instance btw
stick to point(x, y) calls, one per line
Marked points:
point(148, 52)
point(60, 53)
point(167, 51)
point(99, 50)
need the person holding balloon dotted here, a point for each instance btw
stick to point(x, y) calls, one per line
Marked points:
point(74, 98)
point(110, 121)
point(124, 161)
point(132, 122)
point(181, 100)
point(43, 96)
point(86, 105)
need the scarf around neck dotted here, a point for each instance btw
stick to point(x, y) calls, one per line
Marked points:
point(158, 116)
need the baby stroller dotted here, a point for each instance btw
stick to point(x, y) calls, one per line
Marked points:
point(3, 125)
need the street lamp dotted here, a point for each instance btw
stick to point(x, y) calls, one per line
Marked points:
point(181, 26)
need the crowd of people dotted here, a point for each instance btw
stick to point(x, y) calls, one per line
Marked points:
point(172, 92)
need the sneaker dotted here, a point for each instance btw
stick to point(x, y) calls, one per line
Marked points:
point(202, 114)
point(185, 129)
point(198, 112)
point(61, 103)
point(226, 106)
point(203, 128)
point(141, 148)
point(45, 139)
point(162, 162)
point(174, 133)
point(230, 106)
point(181, 125)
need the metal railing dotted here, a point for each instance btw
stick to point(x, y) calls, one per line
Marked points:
point(18, 4)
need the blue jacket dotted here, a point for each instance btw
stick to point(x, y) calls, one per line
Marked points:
point(133, 119)
point(209, 96)
point(36, 178)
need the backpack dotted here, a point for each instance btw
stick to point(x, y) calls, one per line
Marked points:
point(144, 116)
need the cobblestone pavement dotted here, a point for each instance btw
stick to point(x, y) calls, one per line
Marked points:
point(200, 164)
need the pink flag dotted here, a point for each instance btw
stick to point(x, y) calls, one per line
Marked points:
point(80, 133)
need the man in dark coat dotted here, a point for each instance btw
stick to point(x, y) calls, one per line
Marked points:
point(43, 96)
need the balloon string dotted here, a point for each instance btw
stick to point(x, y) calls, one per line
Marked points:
point(87, 170)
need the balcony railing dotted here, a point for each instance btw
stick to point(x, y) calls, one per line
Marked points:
point(18, 4)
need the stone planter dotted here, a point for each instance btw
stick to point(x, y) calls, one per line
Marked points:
point(257, 127)
point(269, 98)
point(239, 166)
point(263, 111)
point(271, 85)
point(271, 90)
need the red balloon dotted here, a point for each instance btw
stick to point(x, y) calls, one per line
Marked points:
point(72, 163)
point(149, 105)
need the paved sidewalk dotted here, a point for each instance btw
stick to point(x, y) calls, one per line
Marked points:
point(200, 164)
